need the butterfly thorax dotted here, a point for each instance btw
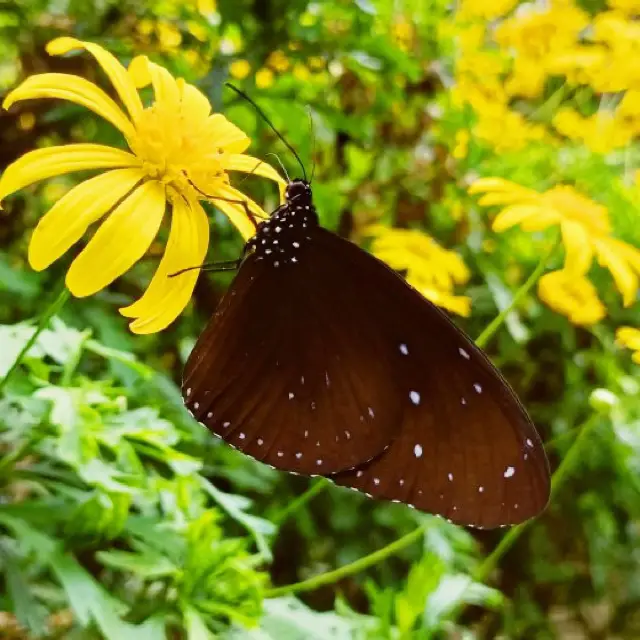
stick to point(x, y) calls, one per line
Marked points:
point(282, 238)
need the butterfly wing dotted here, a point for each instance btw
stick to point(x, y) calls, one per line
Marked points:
point(466, 447)
point(292, 373)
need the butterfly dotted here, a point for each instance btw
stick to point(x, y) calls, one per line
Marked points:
point(321, 360)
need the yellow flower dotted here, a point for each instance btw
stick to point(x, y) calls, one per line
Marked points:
point(585, 227)
point(630, 338)
point(239, 69)
point(264, 78)
point(432, 270)
point(486, 9)
point(179, 151)
point(571, 295)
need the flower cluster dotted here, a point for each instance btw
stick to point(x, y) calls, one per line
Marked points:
point(506, 66)
point(586, 234)
point(431, 269)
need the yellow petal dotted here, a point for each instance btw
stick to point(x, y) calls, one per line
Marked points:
point(166, 297)
point(578, 247)
point(228, 137)
point(68, 219)
point(138, 70)
point(625, 279)
point(165, 87)
point(195, 104)
point(65, 86)
point(54, 161)
point(236, 212)
point(248, 164)
point(120, 241)
point(513, 215)
point(118, 75)
point(628, 337)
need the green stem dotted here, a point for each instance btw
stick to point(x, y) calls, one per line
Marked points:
point(43, 322)
point(348, 569)
point(320, 485)
point(497, 322)
point(401, 543)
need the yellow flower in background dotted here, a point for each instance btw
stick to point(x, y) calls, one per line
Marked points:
point(487, 10)
point(585, 227)
point(572, 295)
point(432, 270)
point(628, 7)
point(630, 338)
point(264, 78)
point(602, 132)
point(179, 150)
point(239, 69)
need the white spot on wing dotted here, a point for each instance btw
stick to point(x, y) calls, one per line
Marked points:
point(450, 476)
point(415, 397)
point(260, 442)
point(291, 395)
point(404, 350)
point(529, 443)
point(463, 401)
point(210, 414)
point(188, 391)
point(371, 413)
point(348, 434)
point(508, 472)
point(318, 462)
point(299, 455)
point(376, 481)
point(480, 489)
point(463, 353)
point(196, 405)
point(417, 450)
point(226, 424)
point(280, 454)
point(401, 482)
point(241, 436)
point(326, 378)
point(477, 387)
point(360, 474)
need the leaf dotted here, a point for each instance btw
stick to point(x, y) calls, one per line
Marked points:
point(196, 627)
point(234, 506)
point(146, 564)
point(92, 603)
point(30, 613)
point(366, 6)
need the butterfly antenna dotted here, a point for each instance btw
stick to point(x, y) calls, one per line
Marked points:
point(262, 114)
point(312, 133)
point(277, 157)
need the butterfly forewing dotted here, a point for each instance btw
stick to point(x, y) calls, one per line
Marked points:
point(276, 375)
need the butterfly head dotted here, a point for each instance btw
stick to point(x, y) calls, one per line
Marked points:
point(298, 192)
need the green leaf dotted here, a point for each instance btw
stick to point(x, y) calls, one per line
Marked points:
point(146, 564)
point(196, 627)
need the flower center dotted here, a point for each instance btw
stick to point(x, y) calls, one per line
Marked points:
point(178, 150)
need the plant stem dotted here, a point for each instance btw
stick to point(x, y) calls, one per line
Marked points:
point(316, 487)
point(43, 322)
point(348, 569)
point(498, 321)
point(401, 543)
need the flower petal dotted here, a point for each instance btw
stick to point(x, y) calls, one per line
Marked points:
point(74, 89)
point(120, 241)
point(68, 219)
point(249, 164)
point(628, 337)
point(165, 87)
point(228, 137)
point(54, 161)
point(513, 215)
point(167, 297)
point(236, 212)
point(118, 75)
point(626, 280)
point(195, 104)
point(578, 247)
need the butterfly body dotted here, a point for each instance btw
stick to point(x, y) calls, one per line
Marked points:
point(321, 360)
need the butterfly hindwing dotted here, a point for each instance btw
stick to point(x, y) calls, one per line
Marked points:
point(466, 447)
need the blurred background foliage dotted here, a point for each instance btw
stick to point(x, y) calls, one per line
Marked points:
point(120, 517)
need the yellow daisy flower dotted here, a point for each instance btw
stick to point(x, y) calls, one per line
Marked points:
point(179, 151)
point(571, 295)
point(630, 338)
point(429, 268)
point(585, 227)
